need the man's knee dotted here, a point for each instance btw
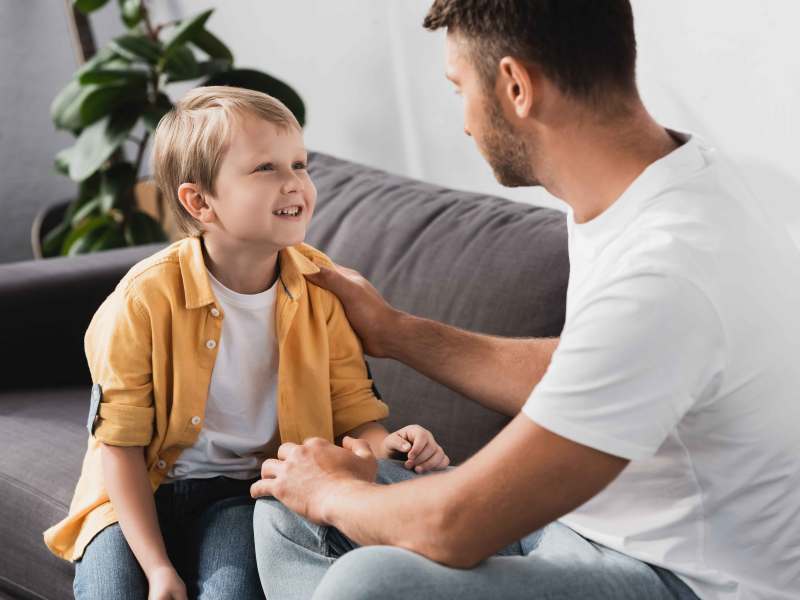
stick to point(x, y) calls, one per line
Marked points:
point(367, 573)
point(275, 525)
point(271, 517)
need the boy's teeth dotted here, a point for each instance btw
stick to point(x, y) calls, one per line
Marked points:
point(288, 211)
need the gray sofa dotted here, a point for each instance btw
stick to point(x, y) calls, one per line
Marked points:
point(478, 262)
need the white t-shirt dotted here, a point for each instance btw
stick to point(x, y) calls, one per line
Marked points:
point(240, 425)
point(680, 352)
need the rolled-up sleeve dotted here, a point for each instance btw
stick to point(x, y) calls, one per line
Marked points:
point(352, 394)
point(118, 347)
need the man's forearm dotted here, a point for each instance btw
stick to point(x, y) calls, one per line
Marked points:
point(407, 515)
point(525, 478)
point(496, 372)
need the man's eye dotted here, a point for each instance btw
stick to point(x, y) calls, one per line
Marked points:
point(265, 167)
point(300, 165)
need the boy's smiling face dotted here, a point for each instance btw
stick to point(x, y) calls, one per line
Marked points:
point(263, 194)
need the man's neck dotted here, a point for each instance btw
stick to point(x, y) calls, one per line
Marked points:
point(589, 167)
point(241, 268)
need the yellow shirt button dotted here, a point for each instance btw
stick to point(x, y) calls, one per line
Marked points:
point(214, 312)
point(211, 344)
point(162, 464)
point(195, 420)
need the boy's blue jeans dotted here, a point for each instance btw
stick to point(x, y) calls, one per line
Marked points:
point(207, 525)
point(297, 559)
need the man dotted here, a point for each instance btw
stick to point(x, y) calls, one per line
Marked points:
point(655, 447)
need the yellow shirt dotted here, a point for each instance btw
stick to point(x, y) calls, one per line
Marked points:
point(152, 345)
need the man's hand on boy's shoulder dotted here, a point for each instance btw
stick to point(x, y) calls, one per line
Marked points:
point(370, 316)
point(424, 454)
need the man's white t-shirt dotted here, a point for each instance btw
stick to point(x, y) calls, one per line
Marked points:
point(681, 352)
point(240, 425)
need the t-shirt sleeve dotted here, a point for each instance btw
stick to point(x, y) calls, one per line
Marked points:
point(634, 357)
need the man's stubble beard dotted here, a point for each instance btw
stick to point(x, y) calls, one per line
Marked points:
point(507, 152)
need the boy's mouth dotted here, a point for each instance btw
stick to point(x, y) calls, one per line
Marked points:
point(289, 211)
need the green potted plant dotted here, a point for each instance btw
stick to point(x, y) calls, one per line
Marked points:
point(118, 96)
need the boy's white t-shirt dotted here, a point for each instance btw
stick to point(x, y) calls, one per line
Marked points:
point(240, 423)
point(680, 352)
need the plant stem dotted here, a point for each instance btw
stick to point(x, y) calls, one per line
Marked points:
point(81, 30)
point(140, 153)
point(151, 31)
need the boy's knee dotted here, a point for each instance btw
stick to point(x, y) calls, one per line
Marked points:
point(367, 573)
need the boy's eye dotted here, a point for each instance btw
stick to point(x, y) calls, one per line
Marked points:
point(299, 165)
point(265, 167)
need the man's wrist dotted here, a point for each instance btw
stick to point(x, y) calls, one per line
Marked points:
point(336, 500)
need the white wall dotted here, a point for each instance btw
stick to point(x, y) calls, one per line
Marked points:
point(373, 82)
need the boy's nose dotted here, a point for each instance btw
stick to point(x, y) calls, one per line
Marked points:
point(291, 185)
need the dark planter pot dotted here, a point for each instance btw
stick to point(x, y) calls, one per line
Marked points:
point(47, 219)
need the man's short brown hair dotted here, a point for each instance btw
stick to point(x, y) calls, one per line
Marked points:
point(586, 47)
point(191, 139)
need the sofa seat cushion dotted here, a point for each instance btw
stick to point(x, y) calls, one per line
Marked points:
point(44, 439)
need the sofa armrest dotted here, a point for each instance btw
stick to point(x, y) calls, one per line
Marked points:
point(46, 306)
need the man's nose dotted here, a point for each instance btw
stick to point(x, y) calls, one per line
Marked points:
point(466, 130)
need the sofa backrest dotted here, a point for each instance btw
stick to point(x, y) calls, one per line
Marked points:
point(477, 262)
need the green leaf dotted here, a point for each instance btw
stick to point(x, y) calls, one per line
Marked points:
point(181, 65)
point(212, 67)
point(116, 185)
point(186, 31)
point(82, 237)
point(112, 237)
point(102, 58)
point(261, 82)
point(87, 6)
point(62, 160)
point(98, 141)
point(54, 240)
point(154, 112)
point(117, 77)
point(131, 12)
point(84, 211)
point(106, 99)
point(66, 107)
point(141, 228)
point(137, 47)
point(212, 45)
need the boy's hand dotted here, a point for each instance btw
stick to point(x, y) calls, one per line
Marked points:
point(166, 584)
point(424, 454)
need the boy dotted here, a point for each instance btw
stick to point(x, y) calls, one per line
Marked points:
point(207, 356)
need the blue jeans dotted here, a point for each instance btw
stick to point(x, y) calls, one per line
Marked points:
point(297, 559)
point(207, 525)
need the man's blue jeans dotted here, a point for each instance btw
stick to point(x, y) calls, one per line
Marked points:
point(207, 525)
point(297, 559)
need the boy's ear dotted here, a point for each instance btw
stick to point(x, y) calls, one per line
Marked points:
point(192, 199)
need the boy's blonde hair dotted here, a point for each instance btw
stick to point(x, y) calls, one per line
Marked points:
point(191, 139)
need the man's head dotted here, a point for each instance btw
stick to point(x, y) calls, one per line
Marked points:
point(516, 59)
point(228, 160)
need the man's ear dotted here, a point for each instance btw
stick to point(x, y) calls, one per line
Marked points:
point(192, 199)
point(518, 84)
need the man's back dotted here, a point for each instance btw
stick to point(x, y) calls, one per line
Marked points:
point(678, 353)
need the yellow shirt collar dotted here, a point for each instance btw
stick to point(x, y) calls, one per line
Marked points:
point(294, 264)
